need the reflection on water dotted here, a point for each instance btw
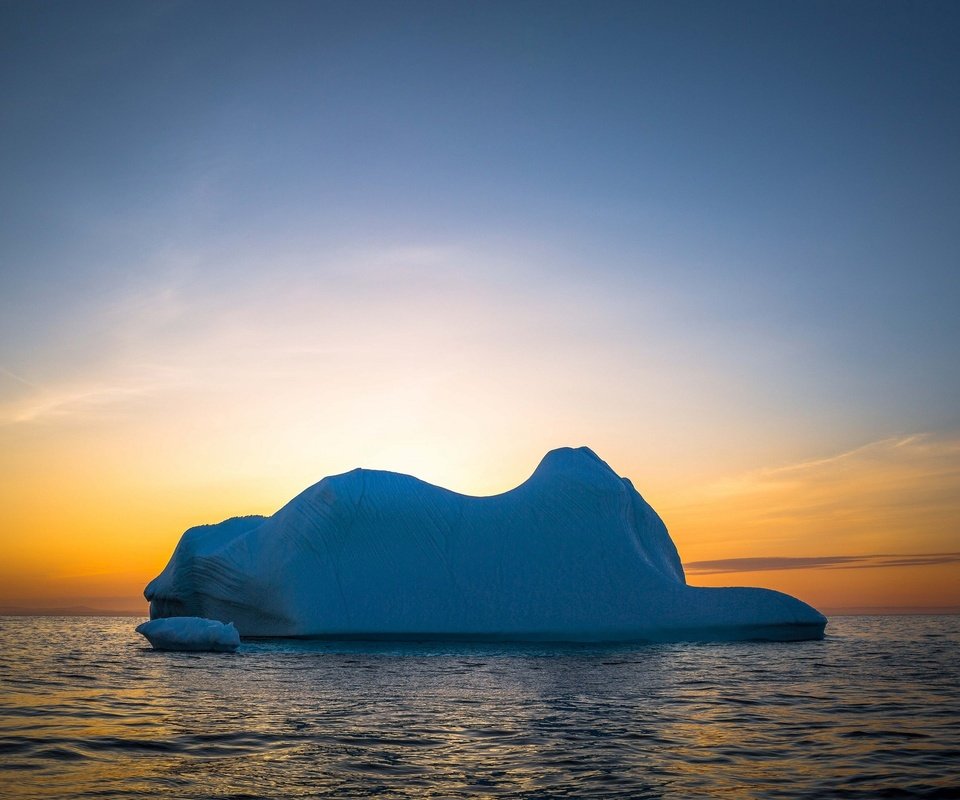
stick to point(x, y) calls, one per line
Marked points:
point(86, 709)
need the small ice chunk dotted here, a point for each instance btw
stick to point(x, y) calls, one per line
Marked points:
point(190, 633)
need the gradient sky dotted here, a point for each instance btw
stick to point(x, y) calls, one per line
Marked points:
point(246, 245)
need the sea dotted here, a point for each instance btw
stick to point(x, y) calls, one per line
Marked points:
point(88, 710)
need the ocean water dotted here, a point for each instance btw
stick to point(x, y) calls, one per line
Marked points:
point(88, 710)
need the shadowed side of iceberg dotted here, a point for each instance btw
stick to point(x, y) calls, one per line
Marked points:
point(572, 554)
point(210, 577)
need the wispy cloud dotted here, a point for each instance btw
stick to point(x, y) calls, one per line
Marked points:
point(903, 452)
point(18, 378)
point(86, 399)
point(68, 404)
point(896, 491)
point(404, 312)
point(774, 563)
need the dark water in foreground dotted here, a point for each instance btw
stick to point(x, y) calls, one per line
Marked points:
point(87, 710)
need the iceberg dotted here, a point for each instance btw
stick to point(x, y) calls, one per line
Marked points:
point(190, 633)
point(574, 554)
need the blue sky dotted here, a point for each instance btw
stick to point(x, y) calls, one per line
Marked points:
point(782, 173)
point(708, 237)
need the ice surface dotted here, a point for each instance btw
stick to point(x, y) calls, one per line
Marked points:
point(572, 554)
point(190, 633)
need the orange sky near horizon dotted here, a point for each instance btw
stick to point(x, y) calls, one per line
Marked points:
point(84, 527)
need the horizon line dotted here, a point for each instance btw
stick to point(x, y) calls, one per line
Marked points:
point(92, 611)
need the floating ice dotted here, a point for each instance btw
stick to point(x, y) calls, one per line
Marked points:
point(572, 554)
point(190, 633)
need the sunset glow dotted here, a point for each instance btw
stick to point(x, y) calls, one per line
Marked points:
point(239, 257)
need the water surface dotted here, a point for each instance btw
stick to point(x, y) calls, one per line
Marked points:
point(88, 710)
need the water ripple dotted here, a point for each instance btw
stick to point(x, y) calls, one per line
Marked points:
point(87, 710)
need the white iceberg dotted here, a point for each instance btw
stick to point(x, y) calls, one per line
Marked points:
point(190, 633)
point(572, 554)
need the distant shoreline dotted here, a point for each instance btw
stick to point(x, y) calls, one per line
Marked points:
point(69, 611)
point(86, 611)
point(884, 611)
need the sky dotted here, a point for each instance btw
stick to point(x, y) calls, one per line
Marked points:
point(247, 245)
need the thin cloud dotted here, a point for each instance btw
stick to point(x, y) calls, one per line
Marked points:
point(82, 401)
point(894, 449)
point(774, 563)
point(889, 494)
point(20, 379)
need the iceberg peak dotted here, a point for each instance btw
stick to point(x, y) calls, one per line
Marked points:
point(576, 460)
